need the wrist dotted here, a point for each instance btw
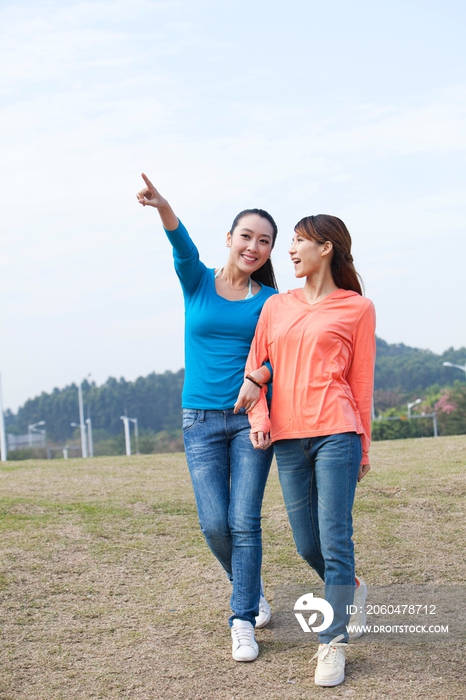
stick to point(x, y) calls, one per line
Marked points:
point(254, 380)
point(168, 217)
point(261, 375)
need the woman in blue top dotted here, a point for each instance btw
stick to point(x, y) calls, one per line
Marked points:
point(228, 476)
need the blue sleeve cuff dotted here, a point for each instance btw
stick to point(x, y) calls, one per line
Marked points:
point(270, 368)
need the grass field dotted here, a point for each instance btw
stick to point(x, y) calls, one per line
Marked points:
point(108, 590)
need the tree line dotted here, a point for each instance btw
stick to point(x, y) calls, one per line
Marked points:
point(154, 400)
point(401, 373)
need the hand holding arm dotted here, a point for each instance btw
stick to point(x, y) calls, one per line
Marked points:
point(250, 392)
point(150, 196)
point(258, 415)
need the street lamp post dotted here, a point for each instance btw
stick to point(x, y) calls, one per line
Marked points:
point(82, 424)
point(423, 415)
point(89, 437)
point(451, 364)
point(434, 419)
point(136, 433)
point(410, 405)
point(3, 447)
point(78, 425)
point(33, 429)
point(126, 422)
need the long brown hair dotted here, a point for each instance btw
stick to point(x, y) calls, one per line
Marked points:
point(265, 274)
point(322, 228)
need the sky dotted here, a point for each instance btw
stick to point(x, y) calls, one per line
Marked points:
point(352, 109)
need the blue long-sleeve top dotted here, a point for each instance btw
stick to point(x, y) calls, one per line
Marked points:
point(218, 332)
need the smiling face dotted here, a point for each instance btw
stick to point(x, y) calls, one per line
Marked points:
point(250, 243)
point(308, 256)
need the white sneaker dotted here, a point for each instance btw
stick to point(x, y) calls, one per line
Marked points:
point(265, 611)
point(244, 644)
point(358, 620)
point(330, 663)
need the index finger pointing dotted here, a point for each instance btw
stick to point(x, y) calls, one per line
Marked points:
point(147, 181)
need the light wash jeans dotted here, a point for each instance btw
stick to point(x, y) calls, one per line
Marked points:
point(229, 477)
point(318, 477)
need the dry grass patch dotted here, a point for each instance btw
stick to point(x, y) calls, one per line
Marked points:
point(108, 590)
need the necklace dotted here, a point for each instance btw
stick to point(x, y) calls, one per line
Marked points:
point(219, 275)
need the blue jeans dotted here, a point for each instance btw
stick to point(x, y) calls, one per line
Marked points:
point(318, 477)
point(229, 477)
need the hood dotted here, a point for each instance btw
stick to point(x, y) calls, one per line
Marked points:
point(338, 294)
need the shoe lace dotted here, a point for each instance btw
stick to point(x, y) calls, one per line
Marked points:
point(328, 652)
point(243, 635)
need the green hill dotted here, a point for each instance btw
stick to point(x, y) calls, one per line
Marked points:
point(155, 400)
point(404, 369)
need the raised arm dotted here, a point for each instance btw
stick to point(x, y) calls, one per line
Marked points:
point(188, 266)
point(150, 196)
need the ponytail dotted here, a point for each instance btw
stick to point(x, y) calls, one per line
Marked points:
point(265, 275)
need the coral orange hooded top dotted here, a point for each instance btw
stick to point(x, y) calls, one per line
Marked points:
point(323, 359)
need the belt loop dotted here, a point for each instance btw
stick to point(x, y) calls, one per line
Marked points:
point(201, 416)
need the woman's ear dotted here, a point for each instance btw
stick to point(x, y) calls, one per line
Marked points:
point(327, 248)
point(229, 239)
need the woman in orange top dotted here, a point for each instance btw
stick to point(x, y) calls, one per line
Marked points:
point(320, 341)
